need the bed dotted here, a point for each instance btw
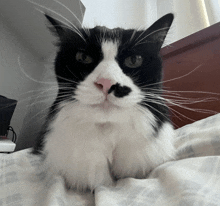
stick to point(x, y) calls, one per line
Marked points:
point(192, 179)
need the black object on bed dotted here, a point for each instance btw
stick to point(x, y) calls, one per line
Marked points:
point(7, 107)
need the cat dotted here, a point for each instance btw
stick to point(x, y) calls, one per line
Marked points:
point(109, 120)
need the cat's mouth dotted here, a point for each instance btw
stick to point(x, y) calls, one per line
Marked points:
point(106, 105)
point(116, 90)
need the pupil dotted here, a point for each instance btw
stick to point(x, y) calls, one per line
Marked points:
point(133, 59)
point(83, 57)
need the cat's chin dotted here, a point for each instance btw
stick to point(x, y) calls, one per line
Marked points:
point(107, 112)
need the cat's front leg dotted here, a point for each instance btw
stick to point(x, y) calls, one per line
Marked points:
point(82, 173)
point(139, 155)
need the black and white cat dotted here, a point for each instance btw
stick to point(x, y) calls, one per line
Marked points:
point(109, 118)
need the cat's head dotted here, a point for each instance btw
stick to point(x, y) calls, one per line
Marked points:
point(110, 69)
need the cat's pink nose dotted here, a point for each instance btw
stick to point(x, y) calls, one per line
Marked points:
point(104, 84)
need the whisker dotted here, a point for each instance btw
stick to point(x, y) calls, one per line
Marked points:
point(68, 10)
point(58, 14)
point(65, 25)
point(177, 94)
point(48, 111)
point(69, 80)
point(164, 28)
point(176, 78)
point(19, 63)
point(9, 105)
point(155, 101)
point(198, 92)
point(134, 76)
point(153, 109)
point(140, 34)
point(142, 110)
point(74, 14)
point(36, 96)
point(180, 102)
point(38, 90)
point(45, 100)
point(191, 109)
point(192, 101)
point(132, 36)
point(174, 111)
point(180, 98)
point(163, 114)
point(41, 94)
point(51, 10)
point(71, 72)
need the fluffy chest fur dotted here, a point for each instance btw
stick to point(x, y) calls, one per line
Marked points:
point(88, 153)
point(109, 119)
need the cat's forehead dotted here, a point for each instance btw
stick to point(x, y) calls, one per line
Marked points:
point(106, 33)
point(101, 28)
point(104, 29)
point(120, 35)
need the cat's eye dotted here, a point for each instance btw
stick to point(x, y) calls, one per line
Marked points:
point(83, 58)
point(133, 61)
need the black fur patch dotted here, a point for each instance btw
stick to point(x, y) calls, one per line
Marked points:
point(119, 91)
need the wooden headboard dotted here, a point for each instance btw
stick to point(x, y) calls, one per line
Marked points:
point(194, 64)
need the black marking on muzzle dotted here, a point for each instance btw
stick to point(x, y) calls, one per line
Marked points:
point(119, 91)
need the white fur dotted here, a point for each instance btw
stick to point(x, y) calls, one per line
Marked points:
point(85, 136)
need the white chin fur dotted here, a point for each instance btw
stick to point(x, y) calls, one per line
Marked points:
point(82, 142)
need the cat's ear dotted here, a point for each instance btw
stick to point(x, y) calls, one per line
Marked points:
point(158, 30)
point(57, 27)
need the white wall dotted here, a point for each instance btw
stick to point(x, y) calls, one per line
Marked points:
point(115, 13)
point(128, 14)
point(190, 15)
point(213, 10)
point(13, 83)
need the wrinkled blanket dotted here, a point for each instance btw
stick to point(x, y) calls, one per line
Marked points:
point(193, 179)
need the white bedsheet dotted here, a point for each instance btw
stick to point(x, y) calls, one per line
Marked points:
point(193, 179)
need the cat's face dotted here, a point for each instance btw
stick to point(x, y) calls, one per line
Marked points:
point(110, 69)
